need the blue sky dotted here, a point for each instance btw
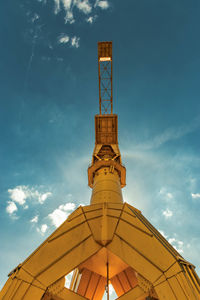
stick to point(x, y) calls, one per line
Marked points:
point(49, 96)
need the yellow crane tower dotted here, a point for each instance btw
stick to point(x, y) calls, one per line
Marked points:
point(108, 241)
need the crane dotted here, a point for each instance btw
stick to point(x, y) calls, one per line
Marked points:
point(108, 241)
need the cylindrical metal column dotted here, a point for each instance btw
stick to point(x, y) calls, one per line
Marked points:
point(106, 187)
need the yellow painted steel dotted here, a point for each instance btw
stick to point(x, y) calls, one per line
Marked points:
point(107, 237)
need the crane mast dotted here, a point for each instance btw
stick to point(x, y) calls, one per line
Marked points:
point(106, 153)
point(105, 77)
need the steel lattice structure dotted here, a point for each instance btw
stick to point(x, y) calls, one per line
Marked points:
point(105, 77)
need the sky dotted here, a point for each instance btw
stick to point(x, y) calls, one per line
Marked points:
point(48, 99)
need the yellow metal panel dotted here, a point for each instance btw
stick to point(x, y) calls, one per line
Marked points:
point(131, 274)
point(117, 286)
point(11, 290)
point(67, 226)
point(164, 291)
point(93, 214)
point(106, 128)
point(134, 294)
point(104, 49)
point(148, 246)
point(20, 292)
point(23, 275)
point(132, 210)
point(173, 270)
point(33, 293)
point(133, 221)
point(115, 213)
point(85, 279)
point(66, 294)
point(54, 250)
point(178, 291)
point(103, 229)
point(155, 232)
point(6, 287)
point(124, 281)
point(75, 214)
point(190, 273)
point(68, 262)
point(115, 205)
point(92, 285)
point(100, 289)
point(92, 207)
point(186, 286)
point(98, 263)
point(134, 259)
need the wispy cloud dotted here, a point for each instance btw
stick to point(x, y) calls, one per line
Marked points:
point(57, 6)
point(176, 243)
point(35, 18)
point(11, 207)
point(34, 219)
point(169, 134)
point(59, 215)
point(21, 194)
point(195, 196)
point(75, 42)
point(167, 213)
point(63, 38)
point(91, 19)
point(42, 229)
point(103, 4)
point(83, 5)
point(42, 197)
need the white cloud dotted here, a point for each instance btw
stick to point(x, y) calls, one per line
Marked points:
point(67, 4)
point(43, 197)
point(91, 19)
point(63, 39)
point(169, 195)
point(165, 195)
point(102, 4)
point(75, 42)
point(42, 229)
point(84, 6)
point(34, 220)
point(59, 215)
point(57, 6)
point(162, 232)
point(167, 213)
point(19, 194)
point(11, 208)
point(195, 196)
point(178, 245)
point(69, 17)
point(35, 18)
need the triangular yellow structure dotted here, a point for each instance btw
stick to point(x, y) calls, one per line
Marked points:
point(108, 241)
